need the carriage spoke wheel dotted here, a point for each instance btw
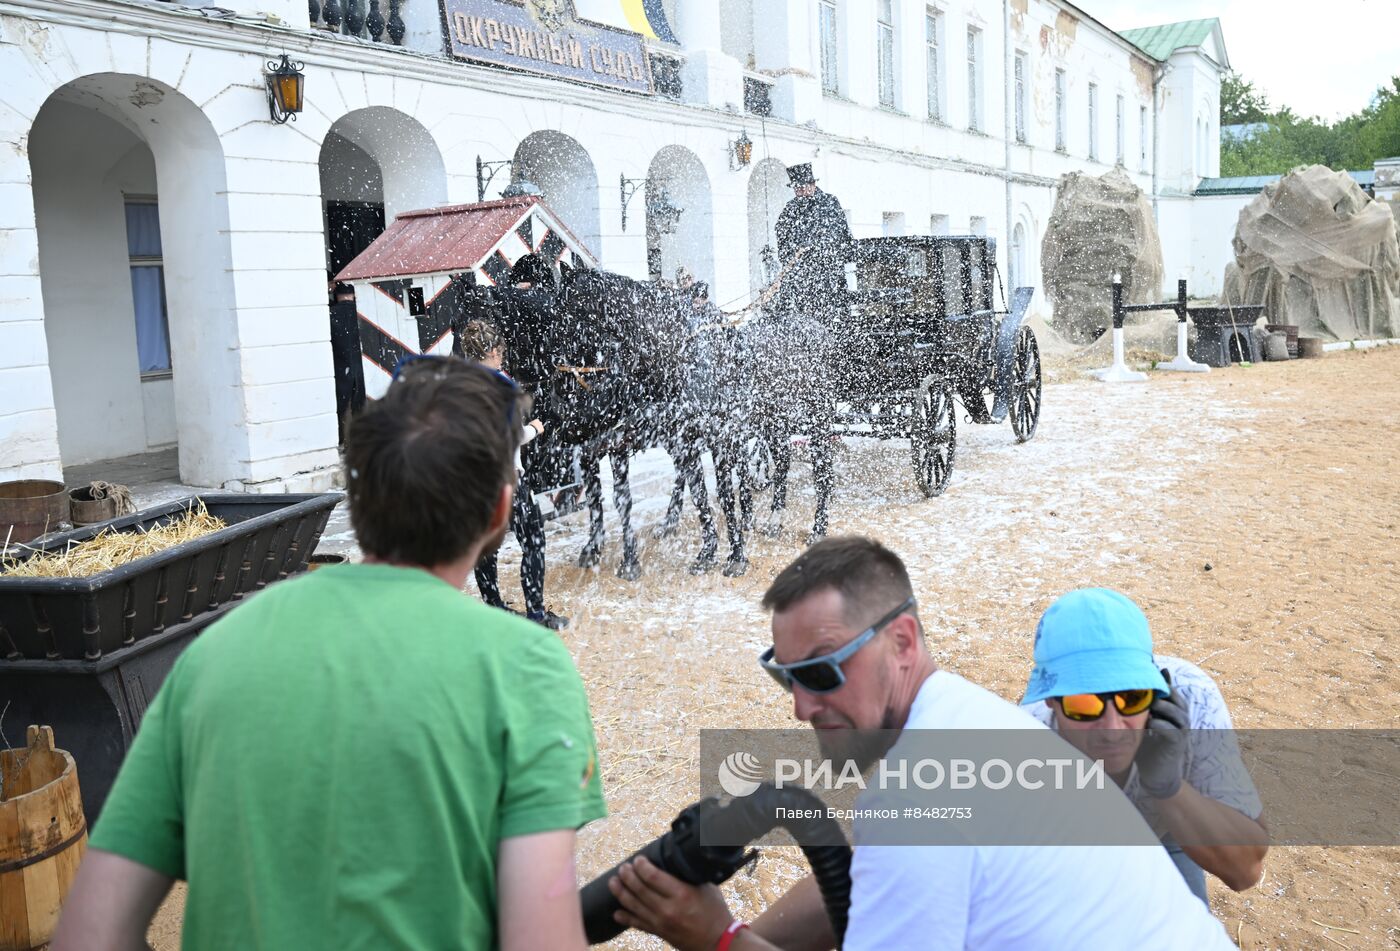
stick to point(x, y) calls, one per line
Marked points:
point(934, 436)
point(1025, 386)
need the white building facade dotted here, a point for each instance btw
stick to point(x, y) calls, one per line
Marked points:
point(165, 245)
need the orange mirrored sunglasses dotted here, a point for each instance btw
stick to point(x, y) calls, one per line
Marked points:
point(1091, 706)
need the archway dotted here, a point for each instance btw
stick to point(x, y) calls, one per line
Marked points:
point(676, 178)
point(133, 228)
point(1017, 265)
point(375, 163)
point(768, 193)
point(564, 173)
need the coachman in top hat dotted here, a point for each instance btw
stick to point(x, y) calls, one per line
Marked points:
point(813, 223)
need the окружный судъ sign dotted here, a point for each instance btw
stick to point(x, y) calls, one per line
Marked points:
point(510, 34)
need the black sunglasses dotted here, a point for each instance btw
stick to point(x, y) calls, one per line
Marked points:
point(824, 674)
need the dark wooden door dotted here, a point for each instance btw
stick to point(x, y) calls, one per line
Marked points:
point(350, 227)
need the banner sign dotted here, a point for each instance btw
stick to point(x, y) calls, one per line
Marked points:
point(543, 36)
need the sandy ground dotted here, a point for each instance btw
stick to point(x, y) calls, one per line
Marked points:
point(1278, 477)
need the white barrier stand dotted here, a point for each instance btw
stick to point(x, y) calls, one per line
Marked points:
point(1183, 363)
point(1119, 372)
point(1359, 344)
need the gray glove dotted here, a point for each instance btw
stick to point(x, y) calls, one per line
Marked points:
point(1161, 759)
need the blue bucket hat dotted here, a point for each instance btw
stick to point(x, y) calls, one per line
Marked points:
point(1092, 640)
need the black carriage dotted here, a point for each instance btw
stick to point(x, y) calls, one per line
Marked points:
point(924, 330)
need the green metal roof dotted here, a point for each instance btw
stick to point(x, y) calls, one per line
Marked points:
point(1160, 42)
point(1254, 184)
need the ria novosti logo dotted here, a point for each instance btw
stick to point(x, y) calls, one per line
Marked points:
point(740, 774)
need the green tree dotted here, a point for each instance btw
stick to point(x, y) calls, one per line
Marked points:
point(1240, 101)
point(1355, 142)
point(1373, 133)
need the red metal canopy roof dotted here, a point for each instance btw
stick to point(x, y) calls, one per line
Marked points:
point(437, 240)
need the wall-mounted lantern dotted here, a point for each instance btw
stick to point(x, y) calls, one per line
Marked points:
point(522, 188)
point(666, 215)
point(740, 151)
point(286, 84)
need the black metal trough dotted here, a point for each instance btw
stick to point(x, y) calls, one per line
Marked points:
point(86, 655)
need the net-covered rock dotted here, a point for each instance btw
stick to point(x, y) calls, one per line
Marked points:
point(1318, 252)
point(1100, 227)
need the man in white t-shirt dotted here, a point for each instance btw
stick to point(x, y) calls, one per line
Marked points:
point(1161, 728)
point(848, 644)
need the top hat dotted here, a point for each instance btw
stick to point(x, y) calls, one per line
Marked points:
point(801, 175)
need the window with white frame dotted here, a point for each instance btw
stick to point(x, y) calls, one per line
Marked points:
point(974, 79)
point(831, 74)
point(1118, 131)
point(1142, 138)
point(977, 225)
point(933, 54)
point(1093, 121)
point(148, 285)
point(1060, 107)
point(884, 50)
point(1022, 78)
point(939, 224)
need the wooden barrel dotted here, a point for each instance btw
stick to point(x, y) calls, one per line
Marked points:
point(42, 838)
point(85, 510)
point(30, 508)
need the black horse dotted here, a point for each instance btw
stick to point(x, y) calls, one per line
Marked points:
point(716, 415)
point(776, 382)
point(611, 362)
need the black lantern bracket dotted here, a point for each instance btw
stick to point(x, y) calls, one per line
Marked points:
point(485, 171)
point(285, 87)
point(629, 188)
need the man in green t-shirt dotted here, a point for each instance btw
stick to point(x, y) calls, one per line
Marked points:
point(364, 757)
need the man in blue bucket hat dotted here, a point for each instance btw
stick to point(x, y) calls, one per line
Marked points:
point(1161, 728)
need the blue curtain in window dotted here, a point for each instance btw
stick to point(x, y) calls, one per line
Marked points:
point(142, 230)
point(148, 286)
point(152, 337)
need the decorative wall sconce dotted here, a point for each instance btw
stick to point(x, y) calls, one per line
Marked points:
point(740, 151)
point(286, 84)
point(666, 215)
point(522, 188)
point(485, 171)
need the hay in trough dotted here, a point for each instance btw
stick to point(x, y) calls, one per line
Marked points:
point(110, 549)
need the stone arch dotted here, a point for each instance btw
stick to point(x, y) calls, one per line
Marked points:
point(99, 144)
point(677, 175)
point(1029, 273)
point(1017, 256)
point(564, 173)
point(375, 163)
point(769, 191)
point(411, 168)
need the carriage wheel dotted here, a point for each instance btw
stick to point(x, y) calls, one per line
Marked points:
point(1025, 386)
point(934, 436)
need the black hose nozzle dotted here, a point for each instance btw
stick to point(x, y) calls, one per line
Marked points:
point(683, 853)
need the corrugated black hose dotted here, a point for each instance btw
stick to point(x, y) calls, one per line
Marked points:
point(681, 852)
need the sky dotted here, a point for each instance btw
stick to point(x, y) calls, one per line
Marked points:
point(1324, 59)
